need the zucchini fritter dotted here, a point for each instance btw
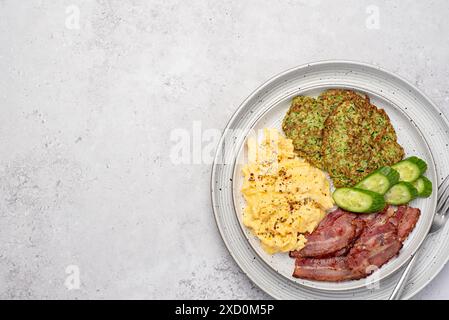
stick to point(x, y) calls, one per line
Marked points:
point(304, 122)
point(358, 139)
point(334, 97)
point(342, 133)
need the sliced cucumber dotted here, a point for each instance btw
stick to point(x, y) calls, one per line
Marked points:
point(401, 193)
point(379, 180)
point(424, 187)
point(358, 200)
point(410, 169)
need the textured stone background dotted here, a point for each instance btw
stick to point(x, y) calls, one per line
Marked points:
point(86, 117)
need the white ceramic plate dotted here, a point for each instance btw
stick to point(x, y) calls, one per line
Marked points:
point(417, 133)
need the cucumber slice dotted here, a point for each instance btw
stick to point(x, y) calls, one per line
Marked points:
point(424, 187)
point(358, 200)
point(410, 169)
point(380, 180)
point(401, 193)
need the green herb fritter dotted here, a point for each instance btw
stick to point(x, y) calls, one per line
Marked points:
point(342, 133)
point(334, 97)
point(358, 139)
point(304, 122)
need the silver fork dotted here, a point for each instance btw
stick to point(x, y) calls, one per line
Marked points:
point(439, 220)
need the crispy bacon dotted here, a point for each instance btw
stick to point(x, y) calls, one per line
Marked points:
point(339, 253)
point(369, 241)
point(407, 218)
point(377, 244)
point(359, 226)
point(332, 236)
point(330, 269)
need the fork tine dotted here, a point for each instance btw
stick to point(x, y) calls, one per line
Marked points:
point(445, 207)
point(443, 194)
point(442, 199)
point(444, 184)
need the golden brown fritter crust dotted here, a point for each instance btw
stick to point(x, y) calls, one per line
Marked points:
point(335, 97)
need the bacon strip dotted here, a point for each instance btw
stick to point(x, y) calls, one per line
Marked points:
point(369, 241)
point(331, 269)
point(359, 227)
point(332, 236)
point(377, 244)
point(407, 218)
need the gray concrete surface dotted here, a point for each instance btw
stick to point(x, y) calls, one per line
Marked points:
point(90, 93)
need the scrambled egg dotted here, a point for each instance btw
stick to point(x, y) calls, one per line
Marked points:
point(285, 196)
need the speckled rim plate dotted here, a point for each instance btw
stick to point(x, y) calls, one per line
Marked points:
point(414, 144)
point(404, 104)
